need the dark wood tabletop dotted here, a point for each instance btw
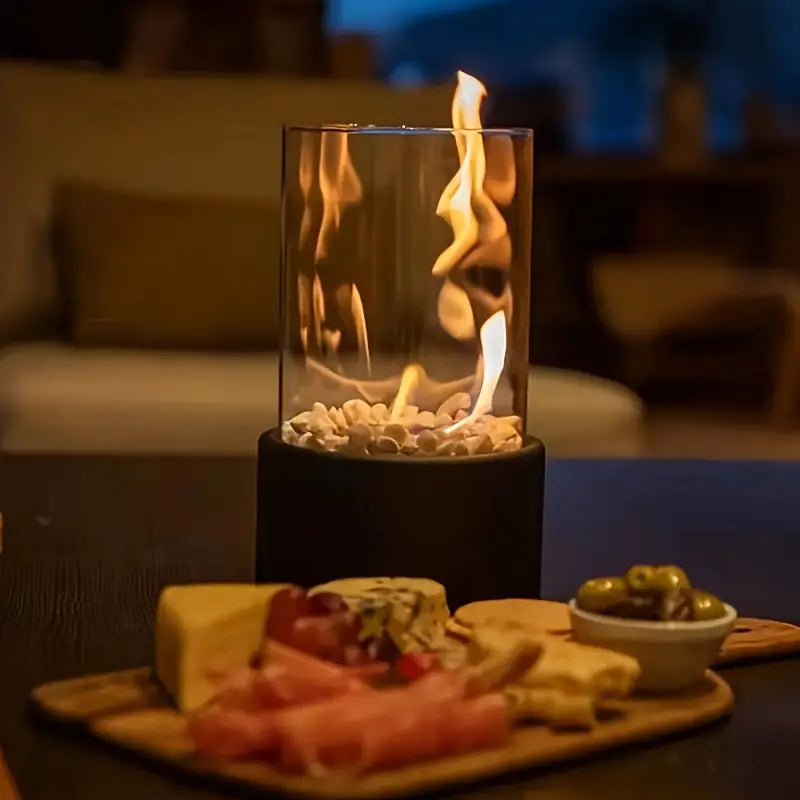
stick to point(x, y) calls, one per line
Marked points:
point(89, 542)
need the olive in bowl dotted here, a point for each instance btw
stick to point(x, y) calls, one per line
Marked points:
point(646, 592)
point(672, 630)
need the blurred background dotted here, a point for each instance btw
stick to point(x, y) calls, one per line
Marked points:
point(666, 256)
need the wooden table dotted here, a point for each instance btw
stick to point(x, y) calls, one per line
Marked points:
point(89, 542)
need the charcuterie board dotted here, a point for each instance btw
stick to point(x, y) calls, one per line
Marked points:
point(752, 639)
point(130, 710)
point(7, 789)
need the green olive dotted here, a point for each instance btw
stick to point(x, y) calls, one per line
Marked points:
point(706, 606)
point(598, 595)
point(670, 578)
point(640, 578)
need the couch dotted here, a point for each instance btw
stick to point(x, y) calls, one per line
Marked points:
point(205, 136)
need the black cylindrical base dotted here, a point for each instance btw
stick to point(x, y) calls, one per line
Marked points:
point(474, 523)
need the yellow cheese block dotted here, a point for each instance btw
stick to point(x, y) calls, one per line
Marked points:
point(203, 630)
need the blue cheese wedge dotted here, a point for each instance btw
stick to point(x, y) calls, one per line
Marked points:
point(411, 611)
point(203, 631)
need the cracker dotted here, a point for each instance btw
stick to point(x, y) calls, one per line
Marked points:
point(539, 615)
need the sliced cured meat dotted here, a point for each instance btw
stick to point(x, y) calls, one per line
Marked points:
point(387, 729)
point(392, 726)
point(357, 728)
point(368, 672)
point(278, 686)
point(330, 733)
point(436, 730)
point(477, 723)
point(232, 733)
point(408, 735)
point(277, 653)
point(288, 678)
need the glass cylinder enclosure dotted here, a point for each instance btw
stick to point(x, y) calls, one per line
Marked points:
point(406, 286)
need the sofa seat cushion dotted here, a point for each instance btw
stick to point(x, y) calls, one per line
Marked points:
point(57, 398)
point(581, 415)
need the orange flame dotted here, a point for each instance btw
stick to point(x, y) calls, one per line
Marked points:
point(318, 306)
point(464, 203)
point(338, 183)
point(467, 204)
point(412, 375)
point(493, 348)
point(306, 179)
point(304, 308)
point(501, 172)
point(455, 312)
point(360, 321)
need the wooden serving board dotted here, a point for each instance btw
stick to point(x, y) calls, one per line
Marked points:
point(130, 710)
point(759, 638)
point(8, 791)
point(750, 640)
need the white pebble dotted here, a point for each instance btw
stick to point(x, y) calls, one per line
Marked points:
point(383, 444)
point(320, 426)
point(456, 402)
point(337, 417)
point(356, 411)
point(460, 414)
point(513, 420)
point(306, 440)
point(460, 449)
point(445, 448)
point(478, 428)
point(427, 442)
point(508, 445)
point(443, 420)
point(478, 444)
point(334, 442)
point(288, 433)
point(501, 432)
point(379, 413)
point(425, 420)
point(409, 446)
point(300, 422)
point(396, 432)
point(319, 422)
point(359, 434)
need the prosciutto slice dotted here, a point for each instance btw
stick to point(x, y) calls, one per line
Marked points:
point(360, 730)
point(434, 730)
point(288, 677)
point(432, 717)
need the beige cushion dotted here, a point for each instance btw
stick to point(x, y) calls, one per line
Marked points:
point(175, 135)
point(168, 271)
point(636, 296)
point(60, 399)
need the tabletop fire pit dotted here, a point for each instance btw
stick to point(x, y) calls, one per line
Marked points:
point(404, 359)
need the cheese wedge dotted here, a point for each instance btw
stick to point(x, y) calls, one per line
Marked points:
point(204, 630)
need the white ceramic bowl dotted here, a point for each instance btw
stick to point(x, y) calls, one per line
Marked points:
point(672, 655)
